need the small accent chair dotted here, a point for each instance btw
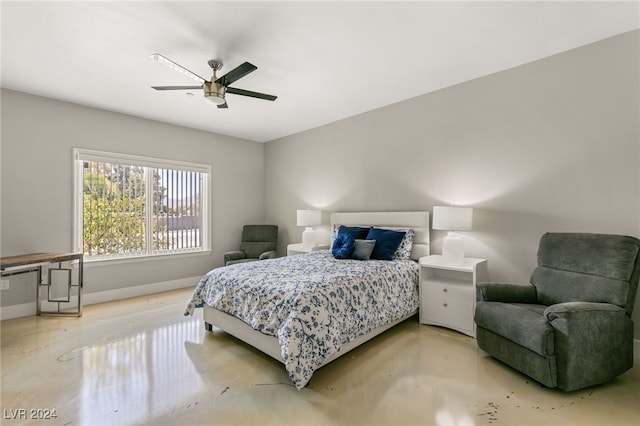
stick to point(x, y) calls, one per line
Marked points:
point(571, 328)
point(259, 242)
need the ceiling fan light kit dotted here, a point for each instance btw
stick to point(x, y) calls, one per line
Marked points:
point(214, 99)
point(214, 93)
point(216, 89)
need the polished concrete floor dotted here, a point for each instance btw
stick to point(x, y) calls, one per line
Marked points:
point(140, 361)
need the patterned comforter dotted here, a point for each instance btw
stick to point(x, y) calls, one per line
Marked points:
point(312, 303)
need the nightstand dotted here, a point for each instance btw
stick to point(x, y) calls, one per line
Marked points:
point(293, 249)
point(448, 292)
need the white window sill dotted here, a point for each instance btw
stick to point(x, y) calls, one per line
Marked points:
point(89, 261)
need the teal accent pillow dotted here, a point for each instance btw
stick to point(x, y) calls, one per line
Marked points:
point(387, 242)
point(363, 249)
point(343, 246)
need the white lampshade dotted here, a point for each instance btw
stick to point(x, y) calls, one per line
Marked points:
point(309, 218)
point(452, 219)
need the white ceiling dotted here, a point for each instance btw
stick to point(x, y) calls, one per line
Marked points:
point(324, 60)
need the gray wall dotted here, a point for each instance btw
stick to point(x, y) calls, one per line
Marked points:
point(553, 145)
point(38, 135)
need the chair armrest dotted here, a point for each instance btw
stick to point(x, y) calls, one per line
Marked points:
point(267, 255)
point(593, 342)
point(506, 293)
point(572, 309)
point(234, 255)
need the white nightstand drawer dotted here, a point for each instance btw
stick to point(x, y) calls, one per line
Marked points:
point(452, 292)
point(448, 312)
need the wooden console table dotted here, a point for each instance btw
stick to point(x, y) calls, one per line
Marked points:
point(26, 263)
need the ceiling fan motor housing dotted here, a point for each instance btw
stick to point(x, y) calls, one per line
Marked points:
point(214, 92)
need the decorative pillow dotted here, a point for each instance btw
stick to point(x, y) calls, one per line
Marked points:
point(343, 246)
point(357, 232)
point(404, 250)
point(387, 242)
point(363, 249)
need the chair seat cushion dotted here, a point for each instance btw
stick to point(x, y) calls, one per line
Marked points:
point(253, 250)
point(523, 324)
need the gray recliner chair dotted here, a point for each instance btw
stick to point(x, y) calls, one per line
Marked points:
point(259, 242)
point(571, 327)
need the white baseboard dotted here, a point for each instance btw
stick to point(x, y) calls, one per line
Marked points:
point(28, 309)
point(139, 290)
point(18, 311)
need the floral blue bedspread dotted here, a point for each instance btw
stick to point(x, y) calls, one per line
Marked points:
point(312, 303)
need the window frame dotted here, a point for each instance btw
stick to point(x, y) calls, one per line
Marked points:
point(81, 154)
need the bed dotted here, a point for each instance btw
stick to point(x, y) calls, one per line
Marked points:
point(307, 310)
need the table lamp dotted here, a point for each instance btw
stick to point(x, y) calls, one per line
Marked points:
point(309, 218)
point(452, 219)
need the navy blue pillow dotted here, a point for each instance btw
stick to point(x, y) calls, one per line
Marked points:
point(343, 246)
point(356, 232)
point(387, 242)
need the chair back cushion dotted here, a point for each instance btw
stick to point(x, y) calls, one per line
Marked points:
point(256, 239)
point(580, 267)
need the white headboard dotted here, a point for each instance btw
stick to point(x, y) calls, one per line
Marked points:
point(419, 221)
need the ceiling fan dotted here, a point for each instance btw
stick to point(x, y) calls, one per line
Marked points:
point(215, 89)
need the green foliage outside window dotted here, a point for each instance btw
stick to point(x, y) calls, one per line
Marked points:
point(114, 219)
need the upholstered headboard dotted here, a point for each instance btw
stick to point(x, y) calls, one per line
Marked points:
point(419, 221)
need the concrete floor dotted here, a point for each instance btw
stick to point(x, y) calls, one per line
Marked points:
point(140, 361)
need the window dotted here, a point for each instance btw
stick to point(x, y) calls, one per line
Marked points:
point(129, 206)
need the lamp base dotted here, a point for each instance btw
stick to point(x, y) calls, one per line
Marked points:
point(308, 238)
point(453, 247)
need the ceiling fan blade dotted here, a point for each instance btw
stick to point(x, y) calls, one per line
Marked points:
point(236, 74)
point(224, 105)
point(182, 70)
point(251, 94)
point(176, 87)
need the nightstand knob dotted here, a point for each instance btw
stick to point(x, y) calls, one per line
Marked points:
point(445, 290)
point(444, 304)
